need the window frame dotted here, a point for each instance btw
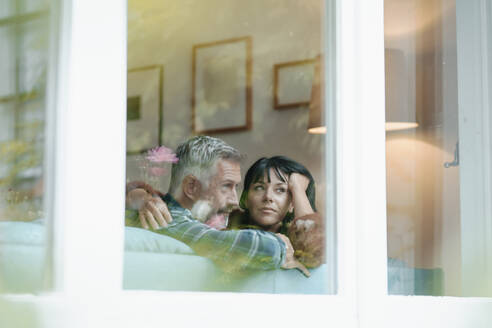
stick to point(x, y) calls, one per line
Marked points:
point(473, 23)
point(89, 239)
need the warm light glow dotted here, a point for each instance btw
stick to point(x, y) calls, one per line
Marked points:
point(317, 130)
point(395, 126)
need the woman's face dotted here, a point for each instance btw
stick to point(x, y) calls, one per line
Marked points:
point(269, 202)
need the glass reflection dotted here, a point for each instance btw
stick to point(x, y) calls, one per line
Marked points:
point(428, 224)
point(24, 40)
point(241, 73)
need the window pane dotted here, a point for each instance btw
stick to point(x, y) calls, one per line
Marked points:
point(7, 8)
point(32, 6)
point(23, 52)
point(249, 73)
point(437, 185)
point(24, 9)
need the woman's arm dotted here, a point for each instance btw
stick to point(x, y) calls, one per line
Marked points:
point(298, 184)
point(306, 231)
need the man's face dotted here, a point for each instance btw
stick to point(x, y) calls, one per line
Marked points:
point(221, 193)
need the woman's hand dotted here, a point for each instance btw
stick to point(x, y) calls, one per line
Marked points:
point(298, 182)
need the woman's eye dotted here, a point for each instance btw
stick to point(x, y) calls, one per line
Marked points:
point(259, 187)
point(281, 190)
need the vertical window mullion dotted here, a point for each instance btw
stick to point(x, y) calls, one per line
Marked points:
point(361, 154)
point(370, 149)
point(90, 147)
point(347, 264)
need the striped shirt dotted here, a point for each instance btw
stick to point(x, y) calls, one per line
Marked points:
point(232, 250)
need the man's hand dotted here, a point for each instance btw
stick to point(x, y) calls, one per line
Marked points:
point(154, 213)
point(151, 210)
point(290, 260)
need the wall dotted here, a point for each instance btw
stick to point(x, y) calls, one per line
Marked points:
point(423, 196)
point(164, 32)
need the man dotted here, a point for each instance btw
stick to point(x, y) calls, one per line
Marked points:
point(203, 186)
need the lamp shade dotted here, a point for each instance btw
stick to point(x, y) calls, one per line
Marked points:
point(399, 116)
point(316, 113)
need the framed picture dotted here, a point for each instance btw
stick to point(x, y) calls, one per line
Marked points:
point(292, 83)
point(221, 86)
point(144, 108)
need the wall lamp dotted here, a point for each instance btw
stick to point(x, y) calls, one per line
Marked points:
point(398, 114)
point(316, 123)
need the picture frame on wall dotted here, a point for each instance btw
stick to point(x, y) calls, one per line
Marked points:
point(144, 108)
point(222, 86)
point(292, 83)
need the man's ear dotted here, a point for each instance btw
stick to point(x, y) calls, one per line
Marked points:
point(192, 187)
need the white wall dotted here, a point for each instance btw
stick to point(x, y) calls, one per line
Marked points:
point(164, 32)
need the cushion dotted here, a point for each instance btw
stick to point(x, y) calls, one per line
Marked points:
point(136, 239)
point(151, 256)
point(22, 233)
point(141, 240)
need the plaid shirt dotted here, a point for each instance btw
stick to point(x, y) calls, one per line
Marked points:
point(232, 250)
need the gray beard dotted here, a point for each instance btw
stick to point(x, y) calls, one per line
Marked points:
point(202, 210)
point(205, 213)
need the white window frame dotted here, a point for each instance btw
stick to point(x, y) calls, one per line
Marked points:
point(88, 237)
point(474, 40)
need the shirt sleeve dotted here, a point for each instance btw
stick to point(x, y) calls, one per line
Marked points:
point(232, 250)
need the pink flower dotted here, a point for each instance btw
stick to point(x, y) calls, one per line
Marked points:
point(157, 171)
point(161, 154)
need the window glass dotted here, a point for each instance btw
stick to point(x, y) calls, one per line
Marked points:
point(437, 178)
point(23, 64)
point(24, 9)
point(32, 6)
point(7, 8)
point(245, 80)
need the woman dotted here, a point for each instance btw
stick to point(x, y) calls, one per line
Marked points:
point(279, 196)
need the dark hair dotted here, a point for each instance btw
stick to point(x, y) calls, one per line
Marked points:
point(281, 165)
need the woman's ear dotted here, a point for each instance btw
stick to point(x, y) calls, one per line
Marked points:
point(192, 187)
point(291, 208)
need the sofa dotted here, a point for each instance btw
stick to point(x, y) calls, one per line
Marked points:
point(157, 262)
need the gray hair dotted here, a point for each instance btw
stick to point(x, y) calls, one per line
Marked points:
point(197, 156)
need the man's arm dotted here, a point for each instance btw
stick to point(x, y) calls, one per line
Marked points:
point(232, 250)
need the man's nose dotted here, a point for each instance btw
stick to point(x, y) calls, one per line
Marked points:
point(233, 200)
